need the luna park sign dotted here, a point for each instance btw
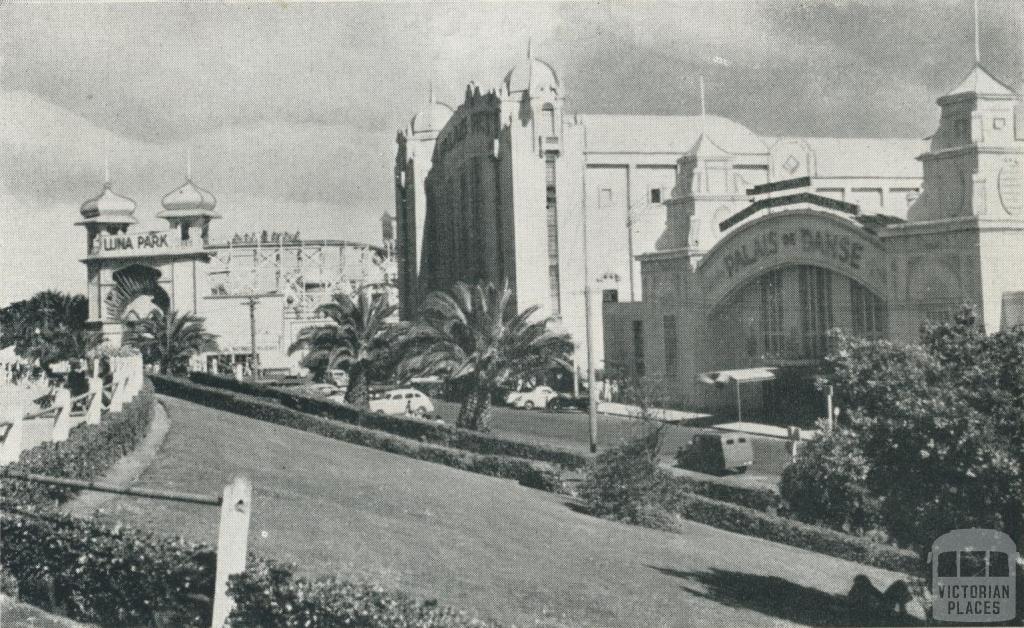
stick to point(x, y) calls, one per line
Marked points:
point(141, 241)
point(829, 245)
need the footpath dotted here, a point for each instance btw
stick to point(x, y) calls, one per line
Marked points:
point(127, 470)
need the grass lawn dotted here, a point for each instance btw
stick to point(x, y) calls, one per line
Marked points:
point(478, 543)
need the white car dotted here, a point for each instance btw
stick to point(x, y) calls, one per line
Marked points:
point(401, 401)
point(539, 397)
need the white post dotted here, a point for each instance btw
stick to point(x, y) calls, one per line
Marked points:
point(94, 412)
point(12, 410)
point(232, 544)
point(62, 423)
point(830, 419)
point(117, 367)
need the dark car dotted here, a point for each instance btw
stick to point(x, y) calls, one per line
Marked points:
point(717, 453)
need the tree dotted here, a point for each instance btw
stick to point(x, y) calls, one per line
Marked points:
point(827, 484)
point(170, 339)
point(941, 427)
point(49, 327)
point(473, 334)
point(357, 340)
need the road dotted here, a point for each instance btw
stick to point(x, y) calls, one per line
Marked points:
point(484, 544)
point(571, 430)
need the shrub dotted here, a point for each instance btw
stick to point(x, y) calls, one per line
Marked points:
point(112, 576)
point(408, 427)
point(528, 473)
point(827, 485)
point(267, 595)
point(625, 483)
point(87, 454)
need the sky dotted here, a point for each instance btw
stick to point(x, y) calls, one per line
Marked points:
point(290, 110)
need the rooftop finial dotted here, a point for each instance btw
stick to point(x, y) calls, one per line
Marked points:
point(977, 43)
point(106, 161)
point(703, 108)
point(529, 48)
point(431, 92)
point(188, 164)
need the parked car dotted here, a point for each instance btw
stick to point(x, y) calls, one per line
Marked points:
point(539, 397)
point(401, 401)
point(717, 452)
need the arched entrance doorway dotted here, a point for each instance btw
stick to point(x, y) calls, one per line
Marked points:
point(780, 318)
point(136, 294)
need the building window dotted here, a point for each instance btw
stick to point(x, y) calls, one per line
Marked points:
point(816, 309)
point(610, 296)
point(655, 195)
point(555, 295)
point(638, 349)
point(773, 329)
point(671, 347)
point(550, 122)
point(870, 316)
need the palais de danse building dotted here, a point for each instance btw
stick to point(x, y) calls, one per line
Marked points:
point(719, 256)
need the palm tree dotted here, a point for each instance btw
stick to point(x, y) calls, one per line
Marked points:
point(170, 340)
point(356, 340)
point(473, 334)
point(48, 327)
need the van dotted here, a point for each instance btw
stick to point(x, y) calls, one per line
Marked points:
point(718, 453)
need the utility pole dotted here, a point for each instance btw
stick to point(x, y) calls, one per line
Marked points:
point(252, 301)
point(591, 387)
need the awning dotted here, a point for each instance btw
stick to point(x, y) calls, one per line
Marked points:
point(738, 376)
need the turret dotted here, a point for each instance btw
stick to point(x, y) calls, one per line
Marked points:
point(189, 209)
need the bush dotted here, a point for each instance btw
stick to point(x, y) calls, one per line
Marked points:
point(111, 576)
point(267, 596)
point(87, 454)
point(528, 473)
point(625, 483)
point(827, 485)
point(408, 427)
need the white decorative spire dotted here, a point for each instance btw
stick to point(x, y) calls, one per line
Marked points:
point(529, 48)
point(431, 92)
point(977, 42)
point(106, 161)
point(188, 164)
point(703, 107)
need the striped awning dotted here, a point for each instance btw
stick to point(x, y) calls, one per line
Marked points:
point(738, 376)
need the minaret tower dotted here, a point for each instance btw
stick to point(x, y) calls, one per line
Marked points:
point(107, 212)
point(189, 209)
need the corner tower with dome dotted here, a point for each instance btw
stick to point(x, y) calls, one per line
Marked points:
point(503, 188)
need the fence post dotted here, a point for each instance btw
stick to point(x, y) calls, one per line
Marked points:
point(94, 412)
point(232, 544)
point(62, 422)
point(12, 410)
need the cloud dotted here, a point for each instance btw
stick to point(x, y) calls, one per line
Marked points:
point(291, 108)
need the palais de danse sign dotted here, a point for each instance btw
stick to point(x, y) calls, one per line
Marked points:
point(838, 247)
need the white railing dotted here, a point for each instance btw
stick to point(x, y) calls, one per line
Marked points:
point(28, 419)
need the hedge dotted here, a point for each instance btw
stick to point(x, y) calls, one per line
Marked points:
point(114, 576)
point(267, 594)
point(408, 427)
point(763, 525)
point(87, 454)
point(528, 473)
point(762, 499)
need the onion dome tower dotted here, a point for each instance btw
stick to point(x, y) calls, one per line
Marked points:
point(189, 209)
point(109, 212)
